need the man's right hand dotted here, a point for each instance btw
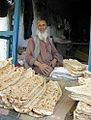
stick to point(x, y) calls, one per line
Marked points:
point(45, 69)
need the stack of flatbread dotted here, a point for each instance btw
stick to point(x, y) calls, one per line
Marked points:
point(82, 93)
point(32, 96)
point(5, 66)
point(86, 79)
point(82, 111)
point(26, 92)
point(74, 67)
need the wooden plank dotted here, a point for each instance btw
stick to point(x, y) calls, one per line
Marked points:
point(69, 115)
point(6, 33)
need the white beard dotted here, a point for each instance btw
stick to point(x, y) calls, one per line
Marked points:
point(42, 35)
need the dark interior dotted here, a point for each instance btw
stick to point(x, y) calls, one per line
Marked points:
point(80, 21)
point(76, 12)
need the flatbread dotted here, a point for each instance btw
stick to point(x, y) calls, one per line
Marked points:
point(33, 114)
point(74, 73)
point(74, 67)
point(78, 116)
point(47, 103)
point(84, 80)
point(82, 98)
point(11, 78)
point(75, 64)
point(5, 66)
point(28, 106)
point(81, 90)
point(22, 91)
point(84, 108)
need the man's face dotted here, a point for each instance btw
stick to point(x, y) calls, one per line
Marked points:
point(41, 25)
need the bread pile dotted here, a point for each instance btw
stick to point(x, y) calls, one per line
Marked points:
point(82, 94)
point(86, 79)
point(26, 92)
point(74, 67)
point(82, 112)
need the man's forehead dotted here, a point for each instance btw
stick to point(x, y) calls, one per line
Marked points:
point(41, 22)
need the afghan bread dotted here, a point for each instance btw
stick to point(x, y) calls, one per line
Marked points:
point(26, 87)
point(35, 114)
point(27, 74)
point(37, 96)
point(20, 92)
point(30, 72)
point(84, 108)
point(5, 66)
point(48, 101)
point(4, 63)
point(87, 74)
point(78, 116)
point(74, 73)
point(5, 101)
point(6, 69)
point(81, 98)
point(6, 74)
point(8, 99)
point(2, 104)
point(81, 90)
point(75, 64)
point(31, 102)
point(11, 78)
point(84, 80)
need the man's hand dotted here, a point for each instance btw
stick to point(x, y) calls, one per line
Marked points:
point(45, 69)
point(53, 62)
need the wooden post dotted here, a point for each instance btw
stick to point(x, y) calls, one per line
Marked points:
point(16, 30)
point(89, 61)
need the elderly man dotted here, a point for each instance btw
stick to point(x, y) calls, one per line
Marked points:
point(41, 53)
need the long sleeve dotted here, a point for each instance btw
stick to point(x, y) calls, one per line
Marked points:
point(29, 52)
point(56, 55)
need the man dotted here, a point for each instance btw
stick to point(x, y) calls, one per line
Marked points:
point(41, 53)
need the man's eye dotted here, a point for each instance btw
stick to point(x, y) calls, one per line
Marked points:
point(41, 25)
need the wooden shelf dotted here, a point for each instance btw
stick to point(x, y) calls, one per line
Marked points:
point(79, 43)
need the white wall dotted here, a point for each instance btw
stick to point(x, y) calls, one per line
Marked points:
point(4, 43)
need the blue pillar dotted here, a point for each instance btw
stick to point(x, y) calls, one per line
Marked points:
point(89, 61)
point(16, 30)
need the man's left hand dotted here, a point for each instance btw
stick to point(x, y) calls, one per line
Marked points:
point(53, 62)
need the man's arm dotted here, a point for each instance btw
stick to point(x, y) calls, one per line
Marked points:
point(53, 62)
point(29, 52)
point(57, 58)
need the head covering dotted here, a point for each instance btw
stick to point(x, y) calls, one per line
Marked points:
point(40, 35)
